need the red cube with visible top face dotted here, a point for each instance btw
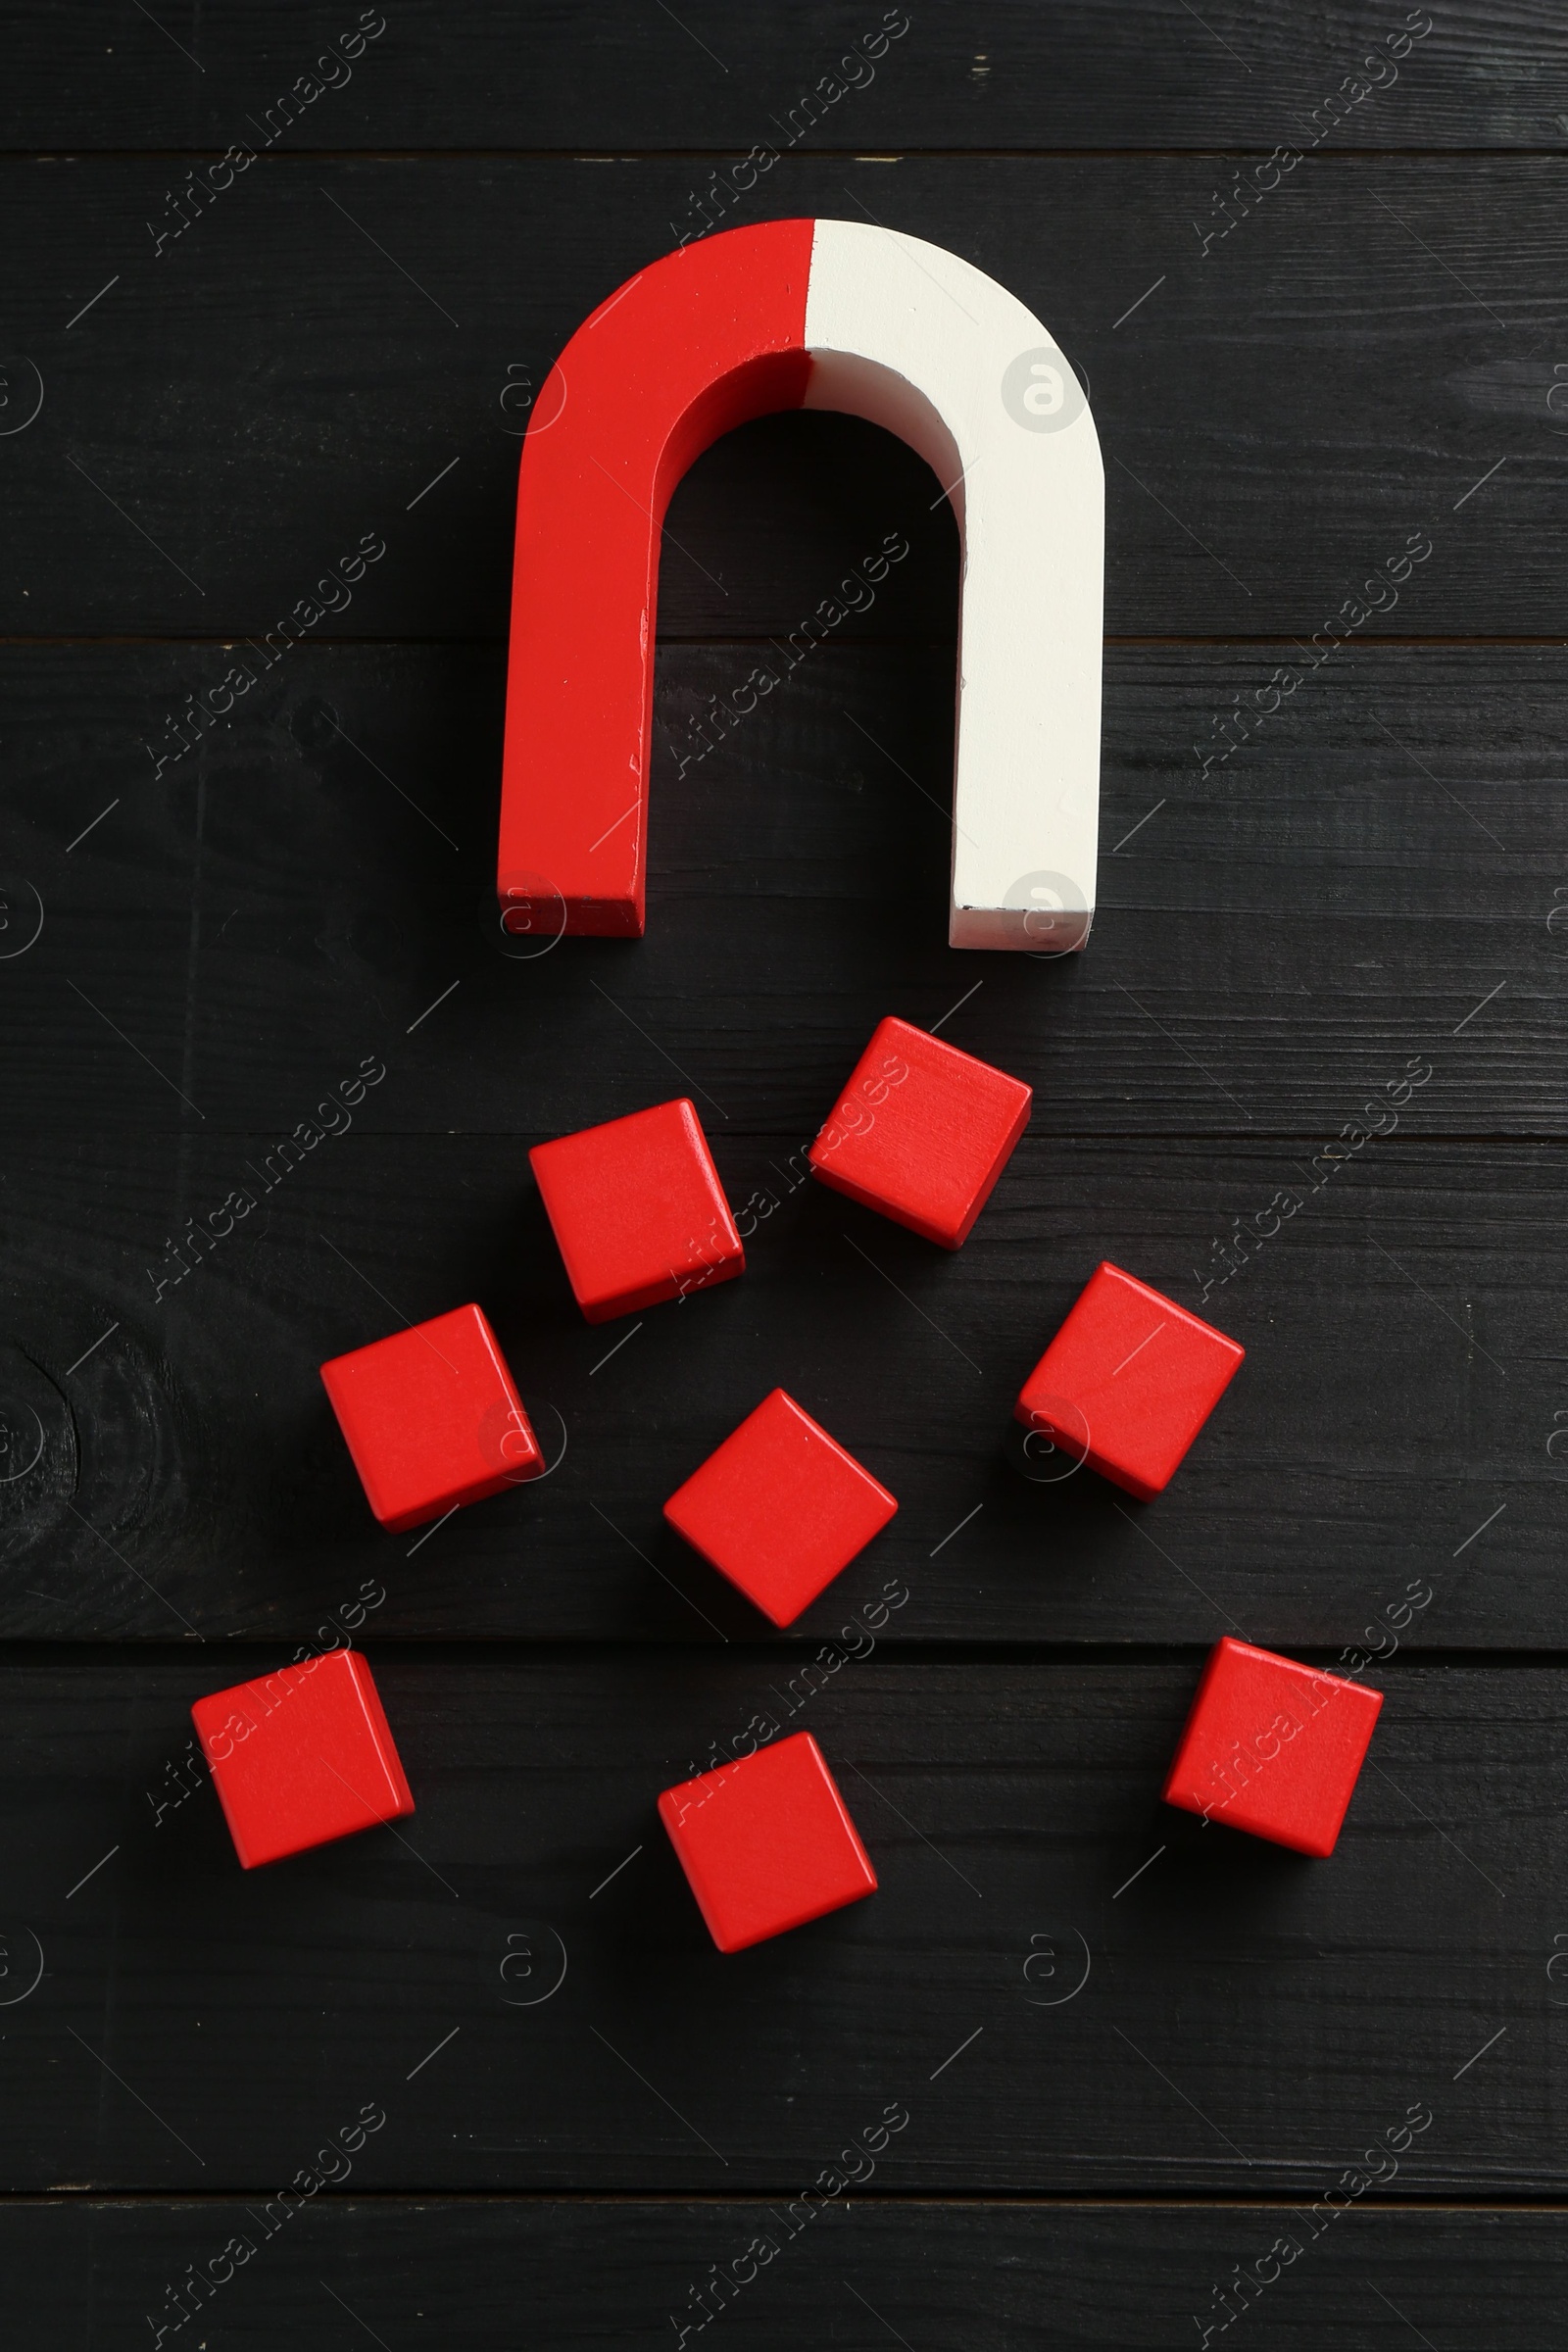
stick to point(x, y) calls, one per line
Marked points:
point(1272, 1748)
point(637, 1210)
point(767, 1843)
point(432, 1419)
point(1128, 1382)
point(780, 1508)
point(921, 1131)
point(300, 1757)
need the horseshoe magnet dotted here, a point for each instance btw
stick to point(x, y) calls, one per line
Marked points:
point(815, 315)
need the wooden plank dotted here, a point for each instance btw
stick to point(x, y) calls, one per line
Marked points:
point(1237, 2024)
point(1369, 878)
point(1306, 904)
point(323, 355)
point(1397, 1423)
point(1072, 76)
point(861, 2273)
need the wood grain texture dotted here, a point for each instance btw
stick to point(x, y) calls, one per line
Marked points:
point(989, 2276)
point(1403, 1386)
point(1279, 934)
point(1067, 75)
point(1248, 2020)
point(1319, 872)
point(1279, 415)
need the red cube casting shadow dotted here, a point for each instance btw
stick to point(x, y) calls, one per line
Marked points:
point(1128, 1382)
point(637, 1210)
point(1272, 1748)
point(921, 1131)
point(767, 1843)
point(780, 1508)
point(432, 1419)
point(300, 1757)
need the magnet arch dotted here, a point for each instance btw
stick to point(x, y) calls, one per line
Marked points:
point(816, 314)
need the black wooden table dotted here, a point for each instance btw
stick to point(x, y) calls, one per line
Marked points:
point(1108, 2080)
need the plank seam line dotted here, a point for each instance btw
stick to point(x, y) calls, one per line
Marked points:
point(1208, 151)
point(1523, 2201)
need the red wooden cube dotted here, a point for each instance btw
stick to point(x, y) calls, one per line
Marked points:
point(767, 1843)
point(921, 1131)
point(431, 1418)
point(780, 1508)
point(637, 1210)
point(1128, 1382)
point(1273, 1748)
point(300, 1757)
